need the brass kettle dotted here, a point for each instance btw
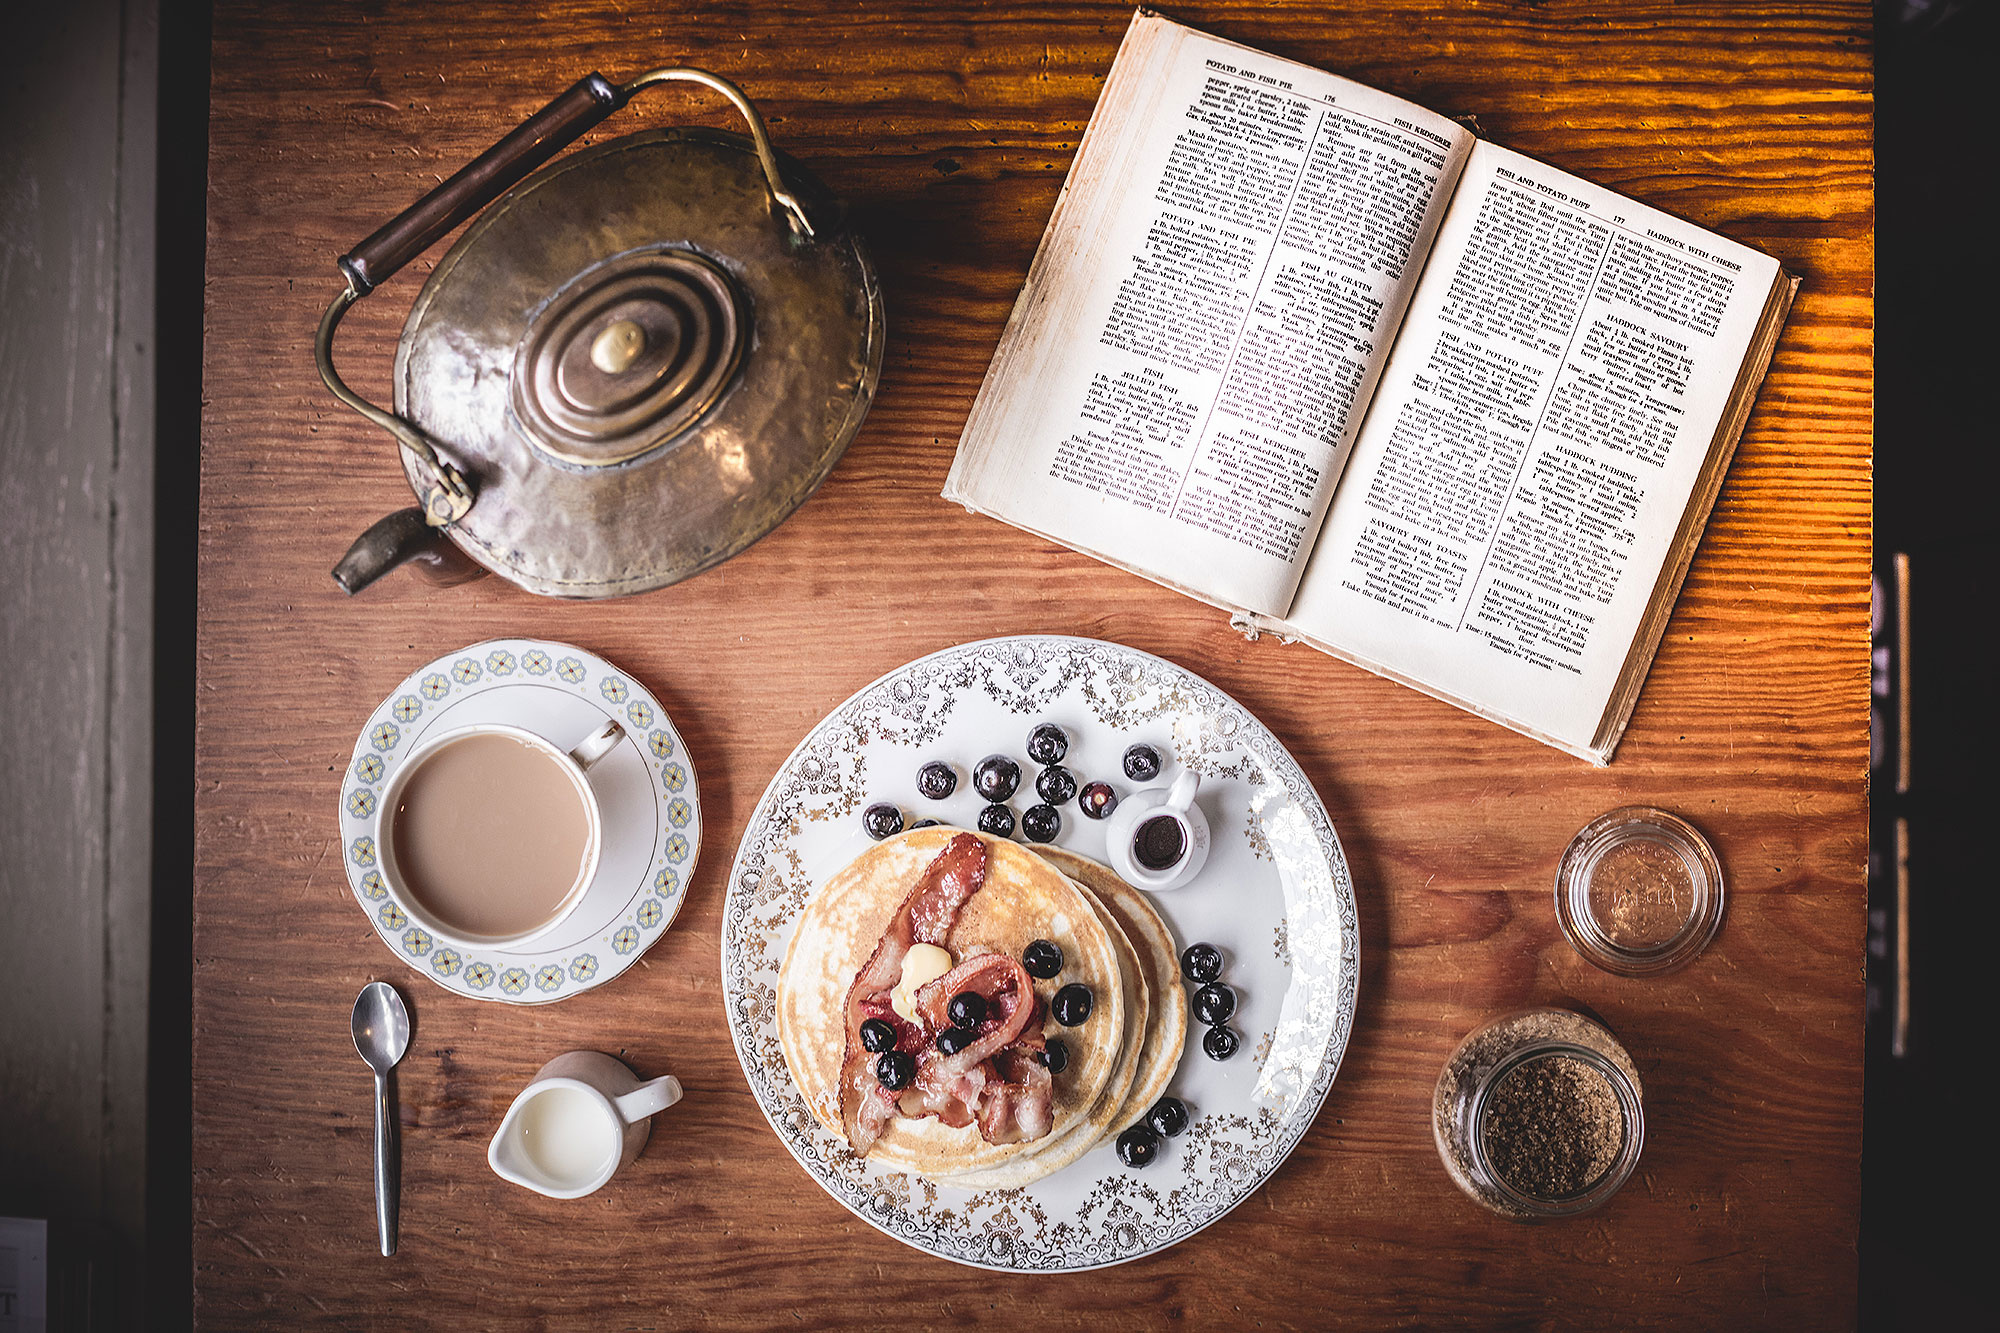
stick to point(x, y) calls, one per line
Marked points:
point(632, 365)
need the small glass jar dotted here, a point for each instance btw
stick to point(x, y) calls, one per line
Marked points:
point(1538, 1114)
point(1639, 891)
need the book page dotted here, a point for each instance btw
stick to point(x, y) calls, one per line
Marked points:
point(1558, 389)
point(1207, 315)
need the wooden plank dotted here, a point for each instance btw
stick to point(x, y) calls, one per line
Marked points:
point(948, 128)
point(76, 266)
point(76, 560)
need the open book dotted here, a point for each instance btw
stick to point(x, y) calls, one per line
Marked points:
point(1325, 359)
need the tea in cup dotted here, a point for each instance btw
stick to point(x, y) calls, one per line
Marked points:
point(583, 1118)
point(489, 834)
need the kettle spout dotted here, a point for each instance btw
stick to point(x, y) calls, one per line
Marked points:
point(404, 537)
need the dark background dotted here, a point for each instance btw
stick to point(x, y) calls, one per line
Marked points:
point(1924, 1132)
point(1933, 500)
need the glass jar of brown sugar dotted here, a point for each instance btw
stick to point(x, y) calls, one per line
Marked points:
point(1538, 1114)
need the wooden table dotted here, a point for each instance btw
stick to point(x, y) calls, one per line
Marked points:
point(949, 128)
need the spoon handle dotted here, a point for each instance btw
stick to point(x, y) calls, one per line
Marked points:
point(388, 1166)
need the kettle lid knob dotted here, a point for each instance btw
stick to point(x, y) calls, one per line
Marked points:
point(615, 349)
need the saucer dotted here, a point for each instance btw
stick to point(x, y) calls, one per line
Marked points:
point(645, 787)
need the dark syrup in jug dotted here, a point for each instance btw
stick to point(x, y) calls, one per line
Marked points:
point(1160, 843)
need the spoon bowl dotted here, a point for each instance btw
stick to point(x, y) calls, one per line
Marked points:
point(381, 1026)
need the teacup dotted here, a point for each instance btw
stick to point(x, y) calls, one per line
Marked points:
point(1158, 840)
point(583, 1118)
point(488, 835)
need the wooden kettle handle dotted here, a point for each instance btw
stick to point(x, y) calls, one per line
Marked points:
point(481, 181)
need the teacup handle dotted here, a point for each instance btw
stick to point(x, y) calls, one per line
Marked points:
point(598, 744)
point(648, 1099)
point(1181, 795)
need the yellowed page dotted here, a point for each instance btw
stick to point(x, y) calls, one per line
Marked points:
point(1207, 315)
point(1553, 397)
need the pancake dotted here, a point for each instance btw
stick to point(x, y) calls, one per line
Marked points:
point(1159, 967)
point(1160, 1046)
point(1023, 899)
point(1111, 1099)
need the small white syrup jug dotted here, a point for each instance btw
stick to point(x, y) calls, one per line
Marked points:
point(1158, 840)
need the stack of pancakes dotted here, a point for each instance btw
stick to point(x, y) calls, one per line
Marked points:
point(1120, 1058)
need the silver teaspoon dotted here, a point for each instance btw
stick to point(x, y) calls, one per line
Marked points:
point(382, 1035)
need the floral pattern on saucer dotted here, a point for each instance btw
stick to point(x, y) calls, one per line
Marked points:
point(1276, 871)
point(623, 913)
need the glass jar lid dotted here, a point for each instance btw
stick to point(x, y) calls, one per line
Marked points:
point(1639, 891)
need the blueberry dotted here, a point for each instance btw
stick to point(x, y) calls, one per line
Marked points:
point(1042, 958)
point(1055, 1055)
point(1041, 823)
point(1047, 744)
point(936, 780)
point(1097, 799)
point(967, 1009)
point(924, 823)
point(877, 1036)
point(1072, 1004)
point(995, 777)
point(1220, 1043)
point(1201, 963)
point(1138, 1146)
point(1142, 763)
point(1168, 1117)
point(997, 821)
point(1214, 1003)
point(953, 1040)
point(1056, 785)
point(882, 820)
point(895, 1069)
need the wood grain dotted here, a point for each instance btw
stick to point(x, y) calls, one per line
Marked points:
point(948, 128)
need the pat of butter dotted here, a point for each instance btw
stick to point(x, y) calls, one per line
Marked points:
point(923, 964)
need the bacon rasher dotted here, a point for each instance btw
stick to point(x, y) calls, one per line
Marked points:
point(925, 917)
point(997, 1080)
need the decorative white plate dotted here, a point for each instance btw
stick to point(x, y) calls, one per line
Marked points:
point(645, 788)
point(1275, 896)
